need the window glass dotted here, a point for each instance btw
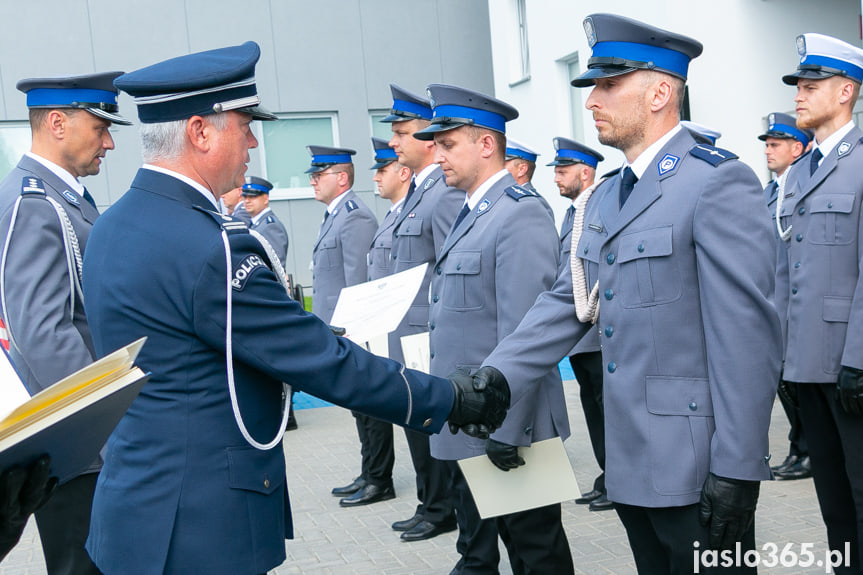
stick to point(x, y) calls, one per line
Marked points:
point(284, 147)
point(14, 141)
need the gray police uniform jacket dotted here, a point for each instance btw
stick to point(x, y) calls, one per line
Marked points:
point(418, 236)
point(273, 230)
point(782, 288)
point(50, 340)
point(825, 306)
point(379, 252)
point(489, 273)
point(241, 213)
point(339, 256)
point(590, 341)
point(690, 337)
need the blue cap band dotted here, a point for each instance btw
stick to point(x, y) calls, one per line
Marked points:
point(790, 130)
point(46, 97)
point(256, 187)
point(580, 156)
point(412, 108)
point(482, 118)
point(332, 159)
point(386, 154)
point(662, 58)
point(521, 154)
point(853, 71)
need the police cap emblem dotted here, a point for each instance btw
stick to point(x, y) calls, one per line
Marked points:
point(589, 32)
point(801, 45)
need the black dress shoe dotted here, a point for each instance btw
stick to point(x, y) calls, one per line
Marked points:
point(292, 422)
point(801, 469)
point(408, 524)
point(589, 496)
point(371, 493)
point(425, 530)
point(353, 487)
point(789, 461)
point(601, 503)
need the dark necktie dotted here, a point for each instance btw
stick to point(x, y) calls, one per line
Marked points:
point(627, 182)
point(465, 210)
point(567, 221)
point(90, 199)
point(813, 161)
point(411, 189)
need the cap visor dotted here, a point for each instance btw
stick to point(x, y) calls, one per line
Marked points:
point(113, 118)
point(589, 77)
point(379, 165)
point(791, 79)
point(428, 133)
point(258, 113)
point(393, 118)
point(316, 169)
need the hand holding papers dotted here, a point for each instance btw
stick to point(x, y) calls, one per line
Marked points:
point(375, 308)
point(544, 479)
point(70, 420)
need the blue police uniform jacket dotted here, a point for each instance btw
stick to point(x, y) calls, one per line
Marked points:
point(825, 305)
point(182, 491)
point(690, 338)
point(490, 271)
point(418, 236)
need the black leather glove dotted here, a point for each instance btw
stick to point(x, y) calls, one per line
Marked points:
point(503, 455)
point(480, 402)
point(337, 330)
point(849, 387)
point(22, 491)
point(728, 508)
point(788, 392)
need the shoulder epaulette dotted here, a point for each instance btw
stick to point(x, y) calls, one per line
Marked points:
point(351, 205)
point(518, 192)
point(270, 219)
point(711, 154)
point(230, 224)
point(31, 185)
point(611, 173)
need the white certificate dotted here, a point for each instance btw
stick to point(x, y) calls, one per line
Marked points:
point(545, 478)
point(376, 308)
point(12, 390)
point(415, 349)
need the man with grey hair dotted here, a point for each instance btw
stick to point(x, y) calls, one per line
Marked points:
point(200, 448)
point(46, 218)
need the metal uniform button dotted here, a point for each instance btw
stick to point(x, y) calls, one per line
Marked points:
point(437, 270)
point(796, 265)
point(266, 483)
point(640, 248)
point(610, 259)
point(458, 266)
point(427, 422)
point(434, 299)
point(799, 237)
point(609, 331)
point(830, 205)
point(794, 291)
point(612, 367)
point(431, 355)
point(609, 294)
point(431, 326)
point(693, 406)
point(394, 256)
point(586, 249)
point(801, 211)
point(528, 430)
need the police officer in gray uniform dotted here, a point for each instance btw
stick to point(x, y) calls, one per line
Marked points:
point(46, 218)
point(339, 256)
point(376, 436)
point(256, 200)
point(820, 216)
point(574, 172)
point(784, 143)
point(501, 253)
point(520, 162)
point(418, 235)
point(675, 265)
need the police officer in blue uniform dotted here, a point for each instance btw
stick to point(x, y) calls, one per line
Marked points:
point(430, 208)
point(691, 345)
point(500, 254)
point(784, 143)
point(574, 172)
point(256, 200)
point(376, 436)
point(194, 477)
point(820, 215)
point(46, 218)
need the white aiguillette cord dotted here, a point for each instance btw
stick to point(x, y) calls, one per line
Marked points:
point(229, 355)
point(586, 306)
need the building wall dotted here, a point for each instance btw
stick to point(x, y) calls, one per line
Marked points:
point(336, 56)
point(748, 46)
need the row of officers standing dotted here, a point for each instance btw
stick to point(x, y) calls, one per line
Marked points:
point(681, 298)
